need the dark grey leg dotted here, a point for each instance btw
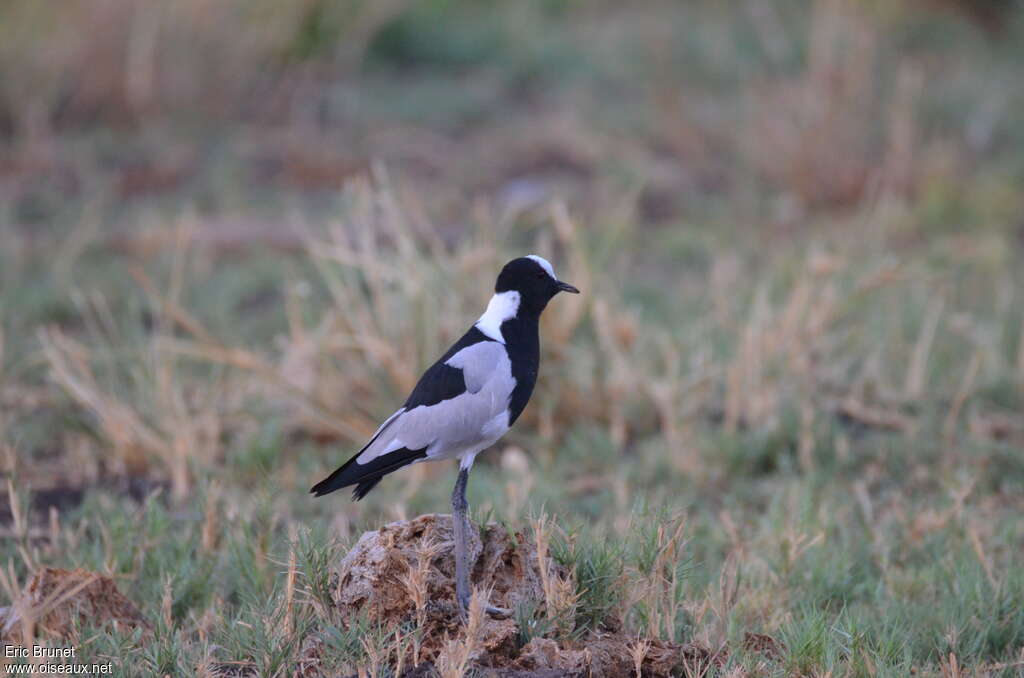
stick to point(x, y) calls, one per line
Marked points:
point(460, 527)
point(460, 530)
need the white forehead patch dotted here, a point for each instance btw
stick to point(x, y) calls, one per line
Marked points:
point(544, 263)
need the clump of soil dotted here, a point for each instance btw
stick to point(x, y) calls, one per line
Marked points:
point(57, 600)
point(377, 579)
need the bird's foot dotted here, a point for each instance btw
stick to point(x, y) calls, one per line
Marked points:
point(491, 611)
point(498, 612)
point(463, 600)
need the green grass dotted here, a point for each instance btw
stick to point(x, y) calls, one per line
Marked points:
point(741, 361)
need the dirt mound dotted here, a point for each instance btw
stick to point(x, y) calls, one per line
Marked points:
point(56, 601)
point(375, 572)
point(403, 575)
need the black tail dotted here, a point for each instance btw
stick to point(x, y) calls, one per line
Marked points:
point(366, 476)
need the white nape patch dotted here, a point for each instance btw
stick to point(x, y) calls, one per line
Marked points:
point(544, 263)
point(500, 308)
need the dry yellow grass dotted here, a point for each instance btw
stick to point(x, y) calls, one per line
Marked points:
point(796, 231)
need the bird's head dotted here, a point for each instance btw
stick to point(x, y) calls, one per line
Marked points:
point(535, 281)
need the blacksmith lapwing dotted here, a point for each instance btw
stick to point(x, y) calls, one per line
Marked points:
point(467, 400)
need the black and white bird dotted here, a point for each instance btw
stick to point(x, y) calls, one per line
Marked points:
point(467, 400)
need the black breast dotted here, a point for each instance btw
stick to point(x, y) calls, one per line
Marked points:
point(522, 339)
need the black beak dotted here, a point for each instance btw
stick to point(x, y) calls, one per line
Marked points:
point(566, 287)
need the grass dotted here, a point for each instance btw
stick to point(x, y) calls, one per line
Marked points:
point(785, 412)
point(815, 503)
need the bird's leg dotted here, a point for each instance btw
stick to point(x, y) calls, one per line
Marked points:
point(460, 527)
point(460, 530)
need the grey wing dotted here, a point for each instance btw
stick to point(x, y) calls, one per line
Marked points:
point(480, 363)
point(382, 427)
point(451, 426)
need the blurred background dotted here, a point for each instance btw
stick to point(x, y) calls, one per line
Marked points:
point(233, 233)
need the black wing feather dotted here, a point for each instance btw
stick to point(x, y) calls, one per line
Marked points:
point(444, 382)
point(440, 382)
point(365, 476)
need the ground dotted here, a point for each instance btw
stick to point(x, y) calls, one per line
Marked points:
point(780, 432)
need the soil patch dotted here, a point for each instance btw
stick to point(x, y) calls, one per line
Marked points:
point(385, 575)
point(56, 602)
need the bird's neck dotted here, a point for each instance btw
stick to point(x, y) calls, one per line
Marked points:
point(502, 307)
point(510, 322)
point(522, 335)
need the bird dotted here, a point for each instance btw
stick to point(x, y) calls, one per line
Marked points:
point(465, 401)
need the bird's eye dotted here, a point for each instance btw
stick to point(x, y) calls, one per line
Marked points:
point(541, 275)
